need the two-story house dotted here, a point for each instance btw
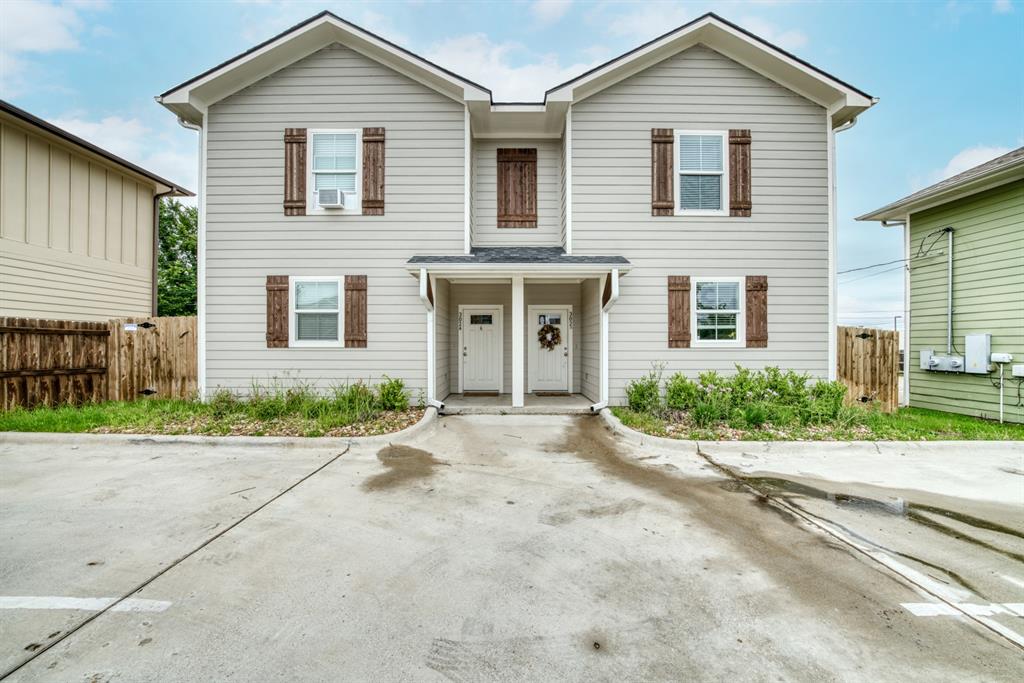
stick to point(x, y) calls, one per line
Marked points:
point(364, 212)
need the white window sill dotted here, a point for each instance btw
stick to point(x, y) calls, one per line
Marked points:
point(334, 212)
point(316, 344)
point(722, 344)
point(696, 212)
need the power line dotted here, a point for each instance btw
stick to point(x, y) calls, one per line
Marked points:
point(870, 275)
point(875, 265)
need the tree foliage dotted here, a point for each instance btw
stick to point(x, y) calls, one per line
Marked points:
point(176, 263)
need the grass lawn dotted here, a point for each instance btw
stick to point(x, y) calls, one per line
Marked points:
point(355, 410)
point(907, 424)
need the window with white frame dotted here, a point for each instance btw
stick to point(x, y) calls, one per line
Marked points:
point(335, 167)
point(702, 185)
point(718, 311)
point(316, 311)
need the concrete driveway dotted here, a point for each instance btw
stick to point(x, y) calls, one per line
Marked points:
point(504, 548)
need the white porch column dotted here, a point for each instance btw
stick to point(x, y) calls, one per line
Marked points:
point(518, 317)
point(613, 296)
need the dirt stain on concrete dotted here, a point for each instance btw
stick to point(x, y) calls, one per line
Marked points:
point(593, 512)
point(404, 464)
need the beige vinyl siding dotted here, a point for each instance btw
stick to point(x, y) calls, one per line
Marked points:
point(248, 237)
point(485, 201)
point(786, 238)
point(76, 233)
point(589, 327)
point(442, 339)
point(988, 296)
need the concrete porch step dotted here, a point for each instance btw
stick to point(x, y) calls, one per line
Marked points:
point(574, 404)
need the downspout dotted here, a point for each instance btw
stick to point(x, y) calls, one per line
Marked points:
point(200, 255)
point(431, 355)
point(949, 291)
point(612, 298)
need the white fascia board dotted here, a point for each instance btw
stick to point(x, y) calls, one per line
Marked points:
point(946, 195)
point(565, 271)
point(293, 46)
point(763, 59)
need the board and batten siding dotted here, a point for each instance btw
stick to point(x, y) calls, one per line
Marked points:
point(76, 233)
point(988, 296)
point(786, 238)
point(248, 237)
point(486, 232)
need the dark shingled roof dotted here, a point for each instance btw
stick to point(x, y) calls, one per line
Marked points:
point(496, 255)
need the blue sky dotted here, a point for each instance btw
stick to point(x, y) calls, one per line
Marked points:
point(948, 73)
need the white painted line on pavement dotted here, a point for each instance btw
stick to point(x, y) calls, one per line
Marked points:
point(936, 609)
point(84, 604)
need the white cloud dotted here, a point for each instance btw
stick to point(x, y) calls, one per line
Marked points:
point(791, 39)
point(969, 158)
point(549, 11)
point(169, 152)
point(643, 21)
point(37, 27)
point(1002, 6)
point(494, 65)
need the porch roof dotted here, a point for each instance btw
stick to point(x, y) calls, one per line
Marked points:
point(512, 256)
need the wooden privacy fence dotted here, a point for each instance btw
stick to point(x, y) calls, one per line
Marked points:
point(49, 362)
point(868, 364)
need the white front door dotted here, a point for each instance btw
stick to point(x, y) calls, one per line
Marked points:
point(481, 348)
point(549, 365)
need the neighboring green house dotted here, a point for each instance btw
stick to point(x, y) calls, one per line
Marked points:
point(951, 303)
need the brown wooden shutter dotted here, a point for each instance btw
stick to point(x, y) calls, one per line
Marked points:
point(757, 311)
point(373, 171)
point(517, 188)
point(678, 311)
point(662, 169)
point(739, 172)
point(355, 311)
point(294, 171)
point(277, 311)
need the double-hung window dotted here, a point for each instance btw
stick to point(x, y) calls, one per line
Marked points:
point(335, 167)
point(718, 311)
point(702, 184)
point(317, 313)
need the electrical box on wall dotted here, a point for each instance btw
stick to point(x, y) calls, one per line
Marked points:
point(978, 349)
point(929, 361)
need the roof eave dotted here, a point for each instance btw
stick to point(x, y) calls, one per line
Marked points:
point(191, 98)
point(899, 210)
point(757, 54)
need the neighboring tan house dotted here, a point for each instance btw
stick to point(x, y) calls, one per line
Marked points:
point(366, 212)
point(78, 225)
point(964, 289)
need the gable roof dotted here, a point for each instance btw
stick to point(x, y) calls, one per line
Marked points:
point(162, 185)
point(843, 100)
point(999, 171)
point(190, 99)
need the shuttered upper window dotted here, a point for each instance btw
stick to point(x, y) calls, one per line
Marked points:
point(335, 167)
point(702, 183)
point(718, 305)
point(317, 314)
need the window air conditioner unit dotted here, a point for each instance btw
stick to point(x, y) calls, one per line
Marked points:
point(331, 199)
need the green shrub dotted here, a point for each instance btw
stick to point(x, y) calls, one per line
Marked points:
point(644, 395)
point(755, 415)
point(223, 403)
point(705, 413)
point(391, 394)
point(681, 393)
point(357, 401)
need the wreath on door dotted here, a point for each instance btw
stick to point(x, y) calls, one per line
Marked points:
point(549, 337)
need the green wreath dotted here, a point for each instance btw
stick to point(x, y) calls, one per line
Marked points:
point(549, 337)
